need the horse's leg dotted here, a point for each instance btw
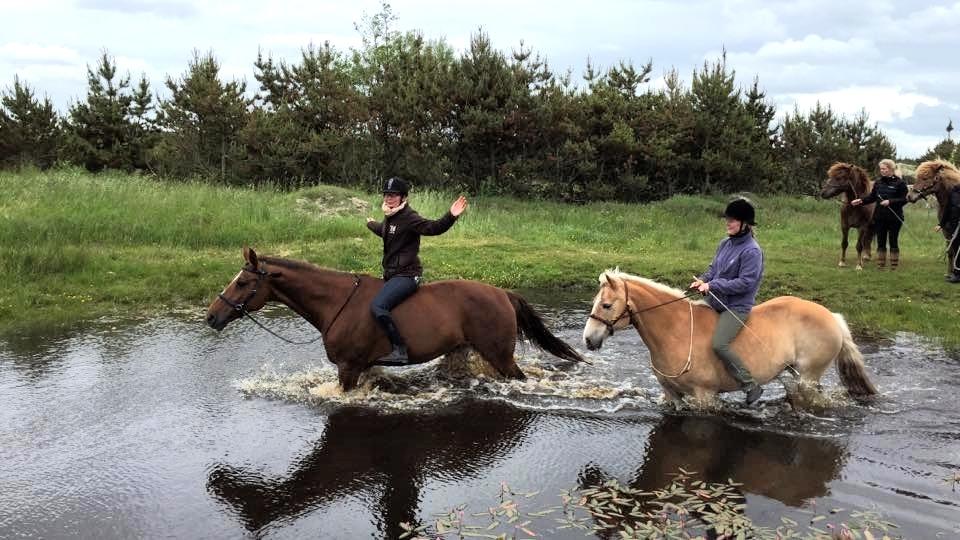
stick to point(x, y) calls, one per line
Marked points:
point(860, 249)
point(843, 245)
point(671, 396)
point(499, 354)
point(348, 376)
point(866, 232)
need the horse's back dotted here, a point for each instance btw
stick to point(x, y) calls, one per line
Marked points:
point(805, 319)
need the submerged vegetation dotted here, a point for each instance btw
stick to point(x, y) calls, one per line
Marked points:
point(77, 246)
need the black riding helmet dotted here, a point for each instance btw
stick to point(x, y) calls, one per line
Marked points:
point(396, 184)
point(742, 210)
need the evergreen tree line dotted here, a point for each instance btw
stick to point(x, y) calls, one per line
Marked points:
point(477, 121)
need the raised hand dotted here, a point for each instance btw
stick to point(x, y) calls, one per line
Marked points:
point(458, 206)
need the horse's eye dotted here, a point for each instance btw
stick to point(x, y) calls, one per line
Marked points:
point(606, 306)
point(241, 284)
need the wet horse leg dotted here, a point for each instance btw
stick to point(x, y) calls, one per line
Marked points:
point(499, 353)
point(348, 376)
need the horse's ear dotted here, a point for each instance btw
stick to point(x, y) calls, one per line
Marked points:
point(612, 281)
point(250, 256)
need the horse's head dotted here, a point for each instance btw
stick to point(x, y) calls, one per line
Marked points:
point(248, 291)
point(611, 311)
point(842, 177)
point(930, 177)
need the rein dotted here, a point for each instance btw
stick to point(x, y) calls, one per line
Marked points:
point(628, 312)
point(261, 274)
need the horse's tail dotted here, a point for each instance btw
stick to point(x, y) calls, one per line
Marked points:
point(530, 325)
point(850, 366)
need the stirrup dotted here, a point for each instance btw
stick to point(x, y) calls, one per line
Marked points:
point(754, 393)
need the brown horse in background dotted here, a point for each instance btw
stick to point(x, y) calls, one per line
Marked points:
point(937, 177)
point(439, 318)
point(783, 332)
point(851, 182)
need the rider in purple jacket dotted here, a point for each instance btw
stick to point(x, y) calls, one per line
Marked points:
point(731, 283)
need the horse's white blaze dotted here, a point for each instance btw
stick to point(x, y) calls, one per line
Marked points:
point(594, 331)
point(232, 281)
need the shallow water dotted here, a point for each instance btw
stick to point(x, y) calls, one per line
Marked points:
point(165, 428)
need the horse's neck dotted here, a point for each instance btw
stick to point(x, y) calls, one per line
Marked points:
point(311, 293)
point(656, 325)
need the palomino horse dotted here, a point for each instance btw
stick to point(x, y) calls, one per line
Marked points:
point(851, 182)
point(784, 332)
point(441, 317)
point(937, 177)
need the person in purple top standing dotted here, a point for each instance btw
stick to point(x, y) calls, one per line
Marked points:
point(731, 283)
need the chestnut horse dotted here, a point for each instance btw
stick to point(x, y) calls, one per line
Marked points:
point(784, 332)
point(851, 182)
point(439, 318)
point(936, 177)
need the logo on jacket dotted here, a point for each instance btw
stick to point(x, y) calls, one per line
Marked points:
point(393, 229)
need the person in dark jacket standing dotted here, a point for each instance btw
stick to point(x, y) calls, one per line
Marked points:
point(731, 283)
point(950, 227)
point(891, 191)
point(401, 229)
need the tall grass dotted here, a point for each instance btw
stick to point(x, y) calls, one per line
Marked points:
point(76, 246)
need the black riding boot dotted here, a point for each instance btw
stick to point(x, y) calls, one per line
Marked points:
point(398, 355)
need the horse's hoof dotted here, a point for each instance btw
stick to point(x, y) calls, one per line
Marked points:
point(859, 267)
point(842, 264)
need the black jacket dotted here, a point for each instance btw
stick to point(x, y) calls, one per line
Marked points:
point(951, 214)
point(888, 188)
point(401, 240)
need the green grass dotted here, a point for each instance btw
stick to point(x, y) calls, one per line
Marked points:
point(77, 246)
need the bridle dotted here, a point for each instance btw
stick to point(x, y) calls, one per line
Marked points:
point(261, 275)
point(629, 312)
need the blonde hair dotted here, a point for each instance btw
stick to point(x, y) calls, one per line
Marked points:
point(893, 166)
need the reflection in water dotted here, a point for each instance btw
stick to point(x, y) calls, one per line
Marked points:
point(385, 457)
point(790, 469)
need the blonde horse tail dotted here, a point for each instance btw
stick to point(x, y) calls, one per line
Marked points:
point(850, 366)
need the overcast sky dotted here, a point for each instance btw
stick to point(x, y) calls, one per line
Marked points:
point(896, 59)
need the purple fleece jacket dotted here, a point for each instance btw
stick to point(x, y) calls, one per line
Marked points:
point(735, 273)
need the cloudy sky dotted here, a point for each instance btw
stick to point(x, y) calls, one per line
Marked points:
point(896, 59)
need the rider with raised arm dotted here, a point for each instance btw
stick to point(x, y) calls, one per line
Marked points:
point(401, 230)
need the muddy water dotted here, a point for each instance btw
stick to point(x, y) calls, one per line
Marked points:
point(164, 428)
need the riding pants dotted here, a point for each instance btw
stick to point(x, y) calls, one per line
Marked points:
point(888, 227)
point(727, 328)
point(394, 291)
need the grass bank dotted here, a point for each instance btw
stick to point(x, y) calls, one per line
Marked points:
point(76, 246)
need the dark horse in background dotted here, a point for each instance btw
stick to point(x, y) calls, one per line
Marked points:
point(439, 318)
point(937, 177)
point(851, 182)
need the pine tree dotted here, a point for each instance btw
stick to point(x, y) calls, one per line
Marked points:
point(29, 128)
point(201, 123)
point(106, 130)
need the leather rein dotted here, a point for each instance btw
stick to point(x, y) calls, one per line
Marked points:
point(261, 275)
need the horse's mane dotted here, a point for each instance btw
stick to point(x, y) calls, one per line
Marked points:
point(948, 171)
point(859, 173)
point(294, 264)
point(672, 291)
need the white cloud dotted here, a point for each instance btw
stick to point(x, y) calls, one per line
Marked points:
point(883, 103)
point(33, 53)
point(911, 144)
point(300, 40)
